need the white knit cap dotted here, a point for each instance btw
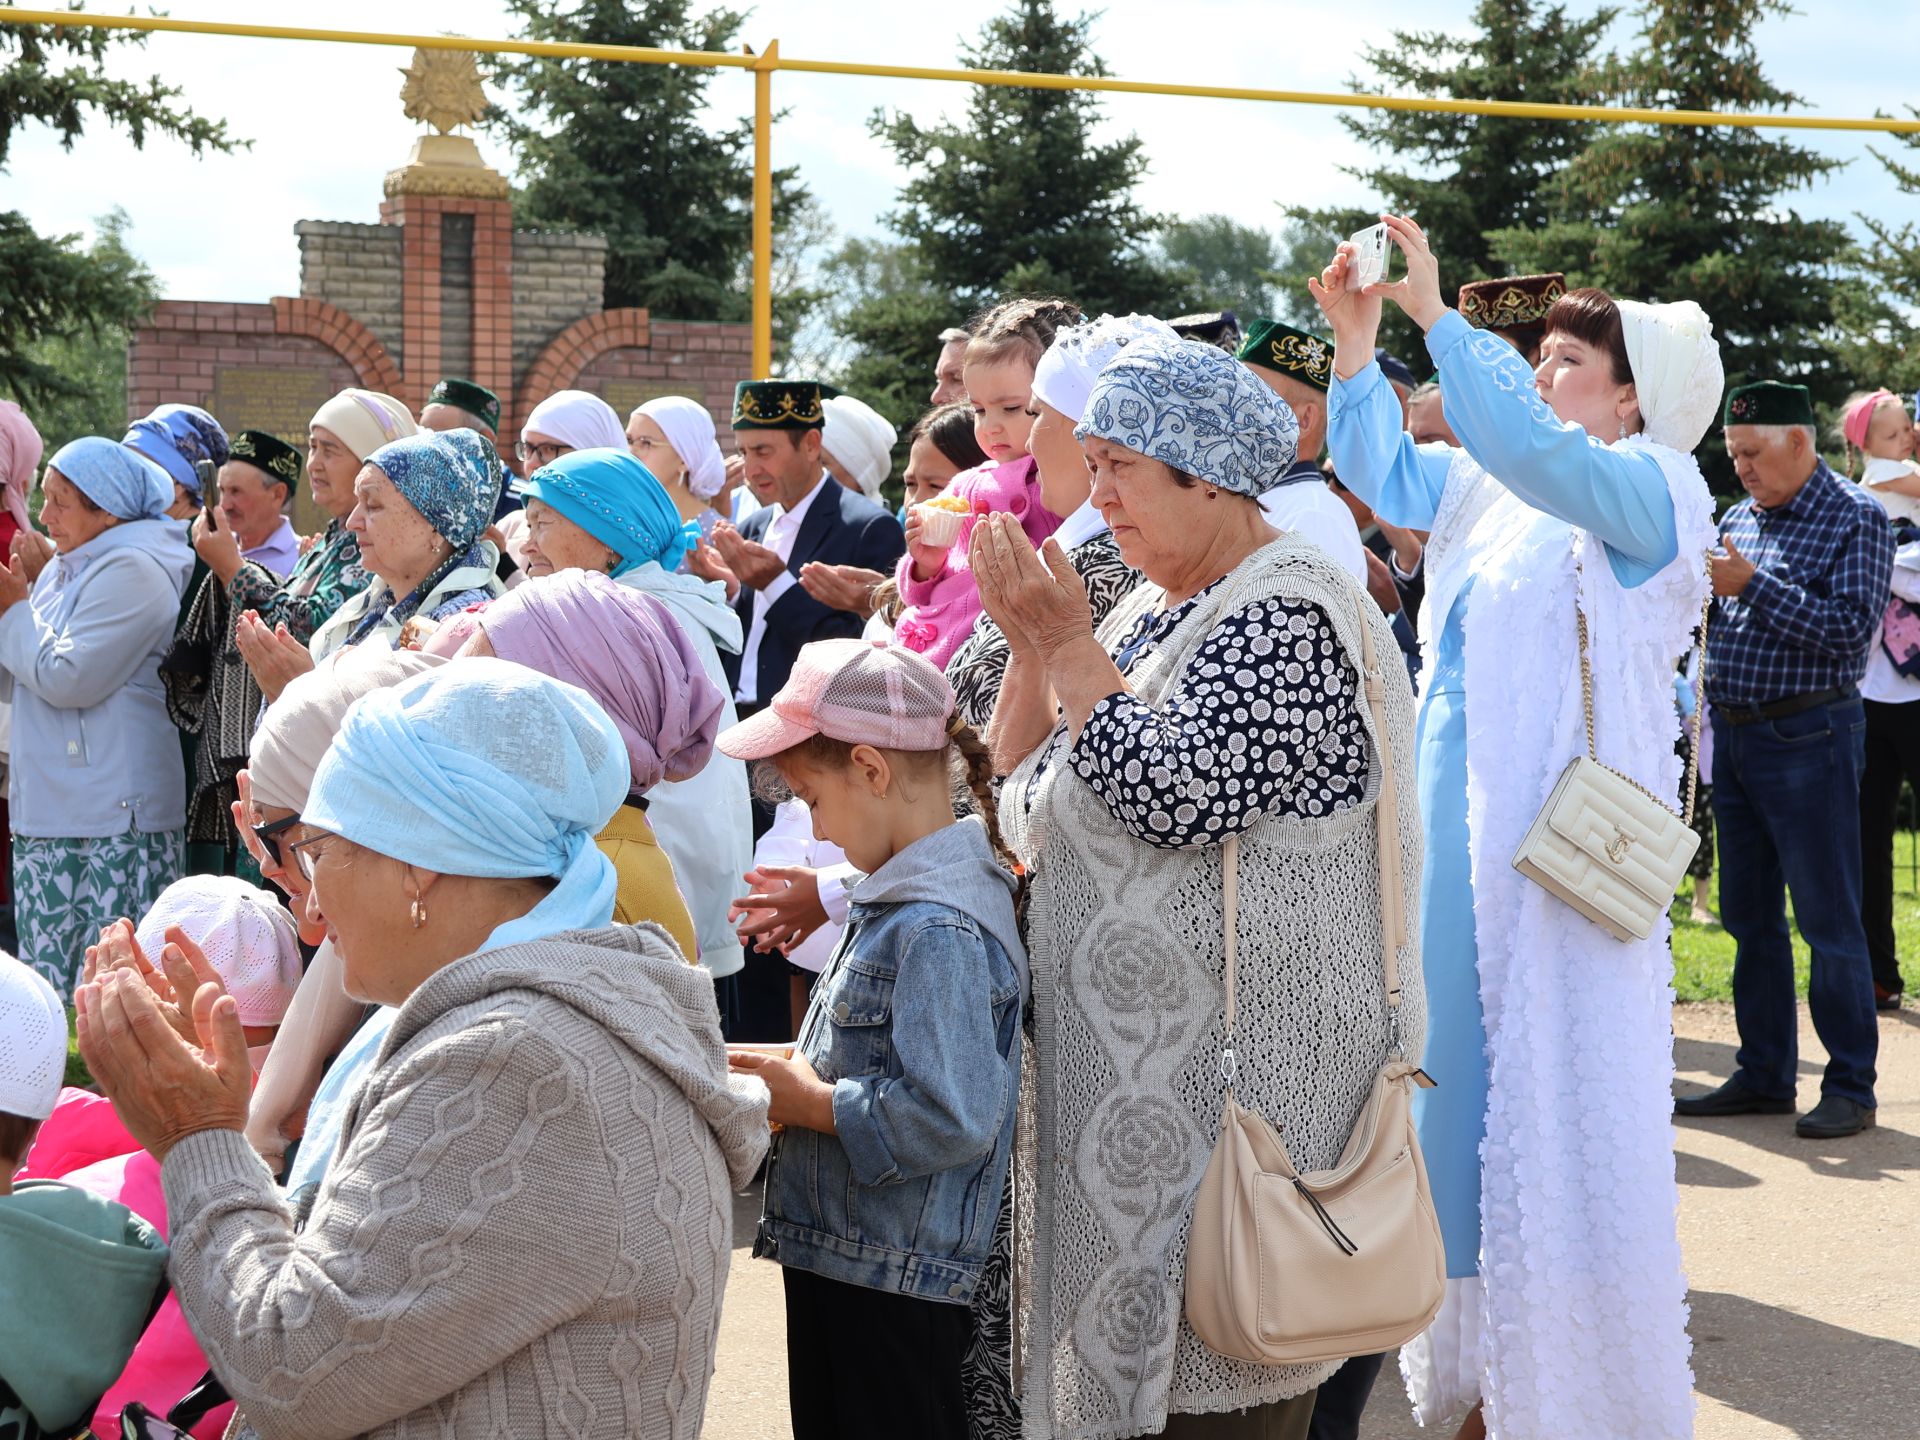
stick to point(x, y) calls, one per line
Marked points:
point(860, 438)
point(1065, 375)
point(247, 936)
point(33, 1042)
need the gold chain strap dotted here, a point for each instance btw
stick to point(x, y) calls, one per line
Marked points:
point(1699, 695)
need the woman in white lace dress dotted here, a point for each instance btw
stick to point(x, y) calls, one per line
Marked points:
point(1548, 1141)
point(1221, 697)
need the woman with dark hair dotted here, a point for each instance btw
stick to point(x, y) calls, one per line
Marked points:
point(1549, 1138)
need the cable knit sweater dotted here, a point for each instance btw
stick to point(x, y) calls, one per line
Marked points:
point(526, 1229)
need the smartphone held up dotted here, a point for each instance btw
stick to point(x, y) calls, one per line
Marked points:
point(1368, 265)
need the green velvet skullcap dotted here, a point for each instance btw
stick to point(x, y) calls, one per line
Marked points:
point(1768, 402)
point(1276, 345)
point(467, 396)
point(780, 404)
point(266, 452)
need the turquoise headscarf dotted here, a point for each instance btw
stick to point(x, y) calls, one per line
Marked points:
point(117, 478)
point(617, 500)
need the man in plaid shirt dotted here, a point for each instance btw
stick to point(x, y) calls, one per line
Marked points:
point(1801, 585)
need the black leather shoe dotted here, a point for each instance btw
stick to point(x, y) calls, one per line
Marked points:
point(1732, 1098)
point(1885, 999)
point(1833, 1118)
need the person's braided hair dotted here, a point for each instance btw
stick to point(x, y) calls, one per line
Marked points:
point(1024, 326)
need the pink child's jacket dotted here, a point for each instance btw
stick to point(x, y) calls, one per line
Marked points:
point(940, 612)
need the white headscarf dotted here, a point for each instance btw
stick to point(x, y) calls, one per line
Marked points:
point(688, 426)
point(577, 418)
point(861, 439)
point(1676, 369)
point(1065, 375)
point(364, 420)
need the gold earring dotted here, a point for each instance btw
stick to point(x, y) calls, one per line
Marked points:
point(419, 913)
point(1213, 494)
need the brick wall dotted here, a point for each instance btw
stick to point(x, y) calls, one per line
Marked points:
point(356, 267)
point(698, 359)
point(557, 278)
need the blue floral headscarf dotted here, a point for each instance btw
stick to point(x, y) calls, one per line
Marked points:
point(174, 437)
point(1196, 409)
point(452, 479)
point(614, 498)
point(117, 478)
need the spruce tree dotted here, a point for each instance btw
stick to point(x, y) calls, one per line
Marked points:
point(1877, 313)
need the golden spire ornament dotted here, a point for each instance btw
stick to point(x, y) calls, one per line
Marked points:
point(443, 90)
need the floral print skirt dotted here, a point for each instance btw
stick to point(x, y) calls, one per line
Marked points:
point(64, 890)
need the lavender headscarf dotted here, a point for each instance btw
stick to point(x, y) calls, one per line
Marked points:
point(624, 649)
point(20, 450)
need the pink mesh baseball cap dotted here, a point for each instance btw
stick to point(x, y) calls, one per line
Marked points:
point(862, 692)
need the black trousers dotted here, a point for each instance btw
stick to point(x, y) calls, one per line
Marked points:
point(1342, 1399)
point(873, 1363)
point(1893, 750)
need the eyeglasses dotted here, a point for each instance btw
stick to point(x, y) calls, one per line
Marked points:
point(305, 853)
point(540, 454)
point(269, 837)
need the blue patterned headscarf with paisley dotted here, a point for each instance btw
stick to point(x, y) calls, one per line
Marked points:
point(452, 478)
point(174, 437)
point(614, 498)
point(1195, 408)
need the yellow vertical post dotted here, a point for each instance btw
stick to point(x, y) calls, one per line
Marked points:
point(763, 67)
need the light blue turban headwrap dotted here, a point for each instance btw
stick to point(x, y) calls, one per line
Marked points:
point(174, 436)
point(614, 498)
point(122, 482)
point(1197, 409)
point(453, 479)
point(482, 767)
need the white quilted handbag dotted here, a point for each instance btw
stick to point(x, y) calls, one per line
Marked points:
point(1605, 844)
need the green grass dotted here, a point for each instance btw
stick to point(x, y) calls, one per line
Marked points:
point(1703, 954)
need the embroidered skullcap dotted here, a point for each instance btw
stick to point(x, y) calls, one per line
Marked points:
point(269, 453)
point(1218, 328)
point(481, 768)
point(20, 450)
point(1278, 346)
point(174, 437)
point(451, 478)
point(1515, 302)
point(476, 400)
point(688, 426)
point(33, 1041)
point(614, 498)
point(364, 420)
point(628, 652)
point(1768, 402)
point(861, 439)
point(1064, 377)
point(298, 727)
point(1675, 362)
point(247, 935)
point(780, 404)
point(576, 418)
point(117, 478)
point(1196, 409)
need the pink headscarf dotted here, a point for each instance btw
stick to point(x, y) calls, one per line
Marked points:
point(20, 450)
point(624, 649)
point(1858, 417)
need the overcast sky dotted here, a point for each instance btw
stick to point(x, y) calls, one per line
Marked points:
point(326, 123)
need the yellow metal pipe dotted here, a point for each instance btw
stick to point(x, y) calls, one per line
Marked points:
point(763, 67)
point(645, 55)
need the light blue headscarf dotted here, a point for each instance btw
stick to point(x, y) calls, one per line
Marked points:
point(614, 498)
point(174, 437)
point(122, 482)
point(453, 479)
point(1196, 409)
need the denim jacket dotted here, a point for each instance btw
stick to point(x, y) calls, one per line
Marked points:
point(914, 1023)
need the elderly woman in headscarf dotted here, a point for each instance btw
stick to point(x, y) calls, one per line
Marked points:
point(97, 793)
point(179, 439)
point(1573, 485)
point(578, 1261)
point(674, 438)
point(603, 510)
point(857, 445)
point(1221, 700)
point(565, 421)
point(420, 508)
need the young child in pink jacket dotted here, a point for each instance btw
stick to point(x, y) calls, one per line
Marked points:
point(940, 598)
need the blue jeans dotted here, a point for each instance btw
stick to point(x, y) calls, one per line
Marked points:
point(1786, 802)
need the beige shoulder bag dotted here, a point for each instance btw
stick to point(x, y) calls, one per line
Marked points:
point(1603, 843)
point(1285, 1268)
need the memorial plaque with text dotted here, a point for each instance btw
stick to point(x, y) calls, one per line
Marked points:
point(281, 401)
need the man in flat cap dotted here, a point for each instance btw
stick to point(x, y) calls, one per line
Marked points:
point(1514, 308)
point(1800, 585)
point(455, 404)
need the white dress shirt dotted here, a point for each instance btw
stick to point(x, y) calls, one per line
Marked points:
point(1310, 509)
point(778, 537)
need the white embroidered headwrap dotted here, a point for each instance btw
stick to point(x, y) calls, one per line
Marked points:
point(1065, 375)
point(1676, 370)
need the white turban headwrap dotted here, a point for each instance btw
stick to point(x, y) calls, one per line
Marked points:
point(1065, 375)
point(688, 426)
point(860, 438)
point(577, 418)
point(1676, 369)
point(364, 420)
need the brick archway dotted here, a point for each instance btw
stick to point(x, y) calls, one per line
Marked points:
point(571, 352)
point(344, 335)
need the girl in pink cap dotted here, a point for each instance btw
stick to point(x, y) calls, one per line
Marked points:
point(898, 1098)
